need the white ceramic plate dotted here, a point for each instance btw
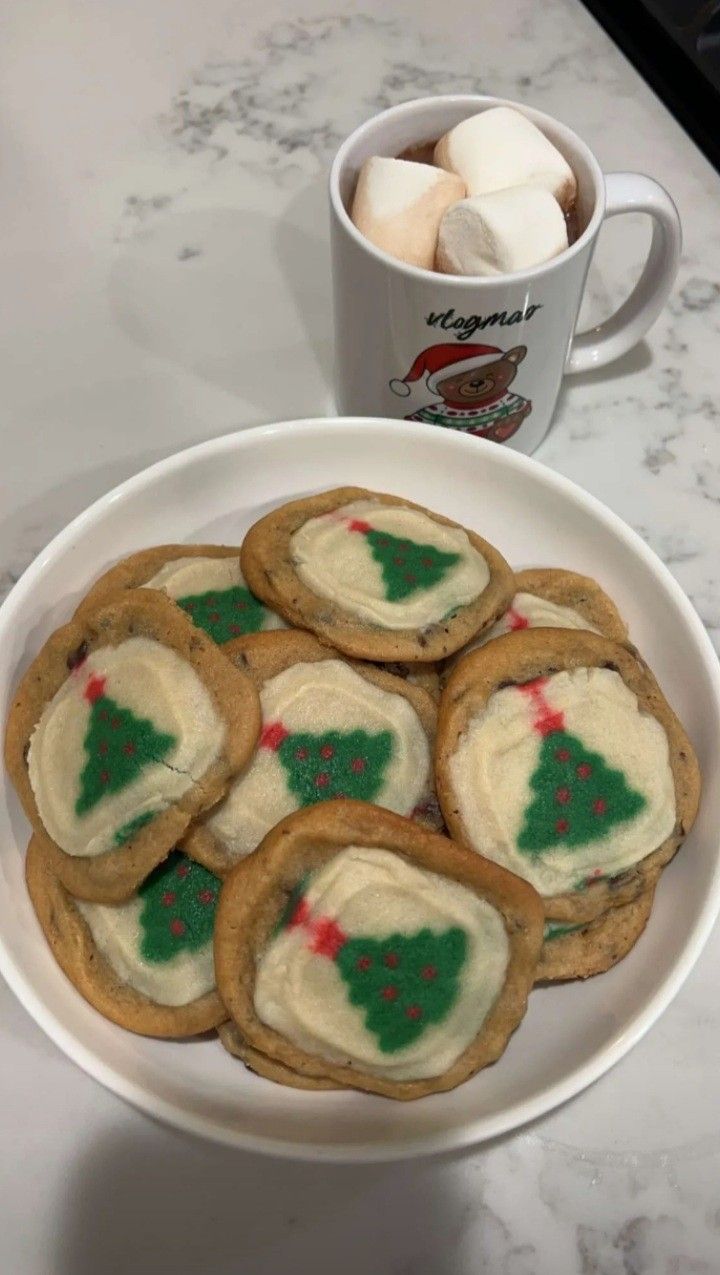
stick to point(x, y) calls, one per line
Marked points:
point(571, 1034)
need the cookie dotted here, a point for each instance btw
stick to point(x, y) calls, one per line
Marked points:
point(550, 598)
point(330, 728)
point(128, 724)
point(376, 576)
point(582, 951)
point(205, 580)
point(146, 964)
point(426, 676)
point(266, 1067)
point(356, 946)
point(559, 758)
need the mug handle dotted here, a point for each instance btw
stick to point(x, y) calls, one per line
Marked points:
point(633, 192)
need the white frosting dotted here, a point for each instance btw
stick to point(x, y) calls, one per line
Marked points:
point(151, 681)
point(540, 613)
point(338, 564)
point(118, 934)
point(501, 231)
point(186, 577)
point(327, 695)
point(497, 755)
point(375, 893)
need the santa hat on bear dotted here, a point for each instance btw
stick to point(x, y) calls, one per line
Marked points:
point(439, 361)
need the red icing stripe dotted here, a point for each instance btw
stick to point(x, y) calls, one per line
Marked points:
point(359, 524)
point(272, 736)
point(301, 915)
point(95, 688)
point(547, 719)
point(516, 620)
point(324, 934)
point(326, 937)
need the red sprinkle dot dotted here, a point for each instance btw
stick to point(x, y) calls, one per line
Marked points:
point(410, 578)
point(322, 779)
point(413, 1011)
point(563, 795)
point(363, 962)
point(429, 971)
point(584, 770)
point(357, 765)
point(214, 617)
point(599, 806)
point(399, 561)
point(426, 562)
point(189, 606)
point(240, 605)
point(177, 927)
point(327, 751)
point(389, 993)
point(115, 723)
point(392, 960)
point(563, 754)
point(103, 747)
point(129, 749)
point(301, 754)
point(562, 826)
point(168, 898)
point(104, 776)
point(206, 896)
point(212, 599)
point(182, 870)
point(104, 715)
point(236, 628)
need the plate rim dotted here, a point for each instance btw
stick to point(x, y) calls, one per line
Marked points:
point(481, 1129)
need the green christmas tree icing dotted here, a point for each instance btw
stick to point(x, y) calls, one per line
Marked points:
point(408, 567)
point(335, 764)
point(404, 984)
point(119, 746)
point(179, 901)
point(557, 930)
point(132, 826)
point(225, 613)
point(578, 797)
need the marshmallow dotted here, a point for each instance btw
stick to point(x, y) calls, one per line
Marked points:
point(398, 206)
point(501, 148)
point(501, 232)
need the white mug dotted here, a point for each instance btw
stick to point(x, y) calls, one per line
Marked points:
point(403, 335)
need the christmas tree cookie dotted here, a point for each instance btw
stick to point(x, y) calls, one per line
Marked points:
point(205, 580)
point(584, 950)
point(330, 729)
point(548, 597)
point(128, 724)
point(559, 758)
point(359, 948)
point(376, 576)
point(268, 1068)
point(146, 964)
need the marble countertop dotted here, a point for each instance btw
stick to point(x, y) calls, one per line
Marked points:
point(164, 247)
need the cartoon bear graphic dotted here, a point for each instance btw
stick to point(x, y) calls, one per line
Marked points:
point(471, 382)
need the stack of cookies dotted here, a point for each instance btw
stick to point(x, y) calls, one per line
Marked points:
point(345, 792)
